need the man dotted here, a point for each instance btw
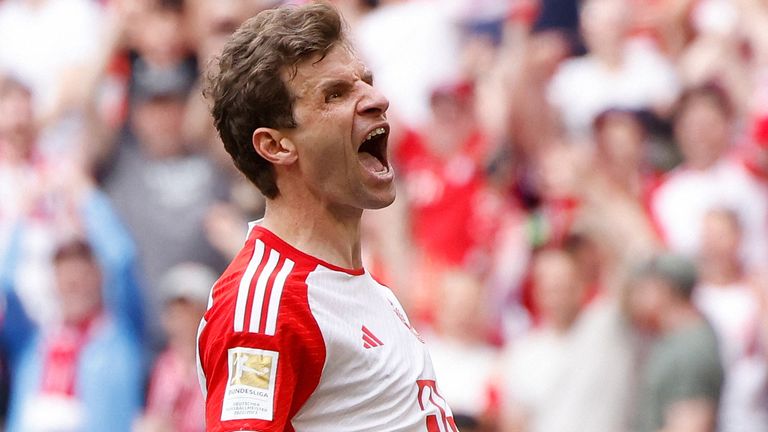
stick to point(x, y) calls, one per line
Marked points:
point(151, 166)
point(729, 298)
point(683, 375)
point(84, 371)
point(618, 70)
point(298, 336)
point(709, 177)
point(174, 401)
point(533, 367)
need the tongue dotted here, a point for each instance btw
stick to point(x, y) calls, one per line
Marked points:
point(370, 162)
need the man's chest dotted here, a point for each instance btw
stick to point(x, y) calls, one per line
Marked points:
point(366, 334)
point(374, 366)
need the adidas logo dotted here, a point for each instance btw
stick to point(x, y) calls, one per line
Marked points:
point(370, 340)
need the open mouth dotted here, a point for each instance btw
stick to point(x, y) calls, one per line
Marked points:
point(373, 151)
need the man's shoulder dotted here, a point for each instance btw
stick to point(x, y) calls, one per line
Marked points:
point(263, 279)
point(689, 347)
point(263, 252)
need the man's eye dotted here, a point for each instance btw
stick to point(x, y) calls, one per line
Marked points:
point(332, 95)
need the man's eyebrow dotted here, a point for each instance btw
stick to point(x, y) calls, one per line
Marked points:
point(331, 83)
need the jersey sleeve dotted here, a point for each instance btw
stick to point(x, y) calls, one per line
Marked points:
point(257, 379)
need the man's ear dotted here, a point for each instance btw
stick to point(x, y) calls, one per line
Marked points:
point(274, 146)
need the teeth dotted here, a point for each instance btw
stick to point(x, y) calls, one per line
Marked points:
point(376, 132)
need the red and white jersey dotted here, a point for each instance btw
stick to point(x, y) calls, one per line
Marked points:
point(292, 343)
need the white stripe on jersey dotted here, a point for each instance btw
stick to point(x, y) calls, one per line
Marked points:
point(198, 362)
point(261, 287)
point(274, 300)
point(245, 285)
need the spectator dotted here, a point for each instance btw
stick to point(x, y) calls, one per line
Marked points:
point(443, 174)
point(48, 44)
point(83, 373)
point(731, 304)
point(533, 366)
point(453, 212)
point(683, 376)
point(461, 332)
point(616, 72)
point(20, 164)
point(709, 177)
point(158, 49)
point(595, 390)
point(211, 23)
point(175, 403)
point(161, 189)
point(40, 198)
point(616, 188)
point(715, 52)
point(620, 140)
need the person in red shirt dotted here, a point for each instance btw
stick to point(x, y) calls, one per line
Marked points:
point(457, 215)
point(174, 401)
point(444, 178)
point(298, 336)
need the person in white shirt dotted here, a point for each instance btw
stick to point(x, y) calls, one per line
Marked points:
point(731, 304)
point(617, 72)
point(709, 177)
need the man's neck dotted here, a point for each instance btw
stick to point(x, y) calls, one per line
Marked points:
point(81, 322)
point(703, 164)
point(611, 55)
point(315, 228)
point(680, 316)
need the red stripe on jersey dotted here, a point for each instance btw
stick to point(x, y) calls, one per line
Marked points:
point(268, 294)
point(439, 407)
point(452, 424)
point(373, 336)
point(297, 338)
point(432, 424)
point(252, 289)
point(368, 341)
point(297, 255)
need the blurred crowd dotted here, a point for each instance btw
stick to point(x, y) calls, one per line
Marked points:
point(581, 229)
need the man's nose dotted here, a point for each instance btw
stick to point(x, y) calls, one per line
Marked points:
point(374, 102)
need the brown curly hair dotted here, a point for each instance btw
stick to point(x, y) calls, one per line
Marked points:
point(245, 84)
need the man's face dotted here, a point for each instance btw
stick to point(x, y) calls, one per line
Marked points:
point(78, 284)
point(621, 140)
point(558, 292)
point(180, 321)
point(16, 117)
point(158, 124)
point(341, 134)
point(648, 297)
point(702, 132)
